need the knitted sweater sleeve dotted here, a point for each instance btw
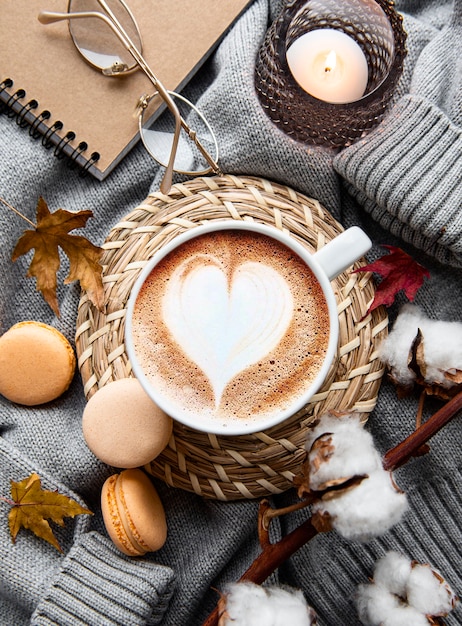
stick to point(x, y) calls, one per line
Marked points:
point(406, 173)
point(91, 582)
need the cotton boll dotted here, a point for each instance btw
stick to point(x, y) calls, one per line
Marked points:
point(394, 349)
point(392, 571)
point(428, 592)
point(442, 349)
point(339, 447)
point(248, 604)
point(442, 343)
point(367, 510)
point(374, 604)
point(403, 593)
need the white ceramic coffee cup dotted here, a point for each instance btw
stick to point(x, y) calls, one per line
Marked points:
point(326, 264)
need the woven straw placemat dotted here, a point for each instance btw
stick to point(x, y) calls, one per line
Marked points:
point(260, 464)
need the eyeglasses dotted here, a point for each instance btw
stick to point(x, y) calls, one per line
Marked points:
point(177, 145)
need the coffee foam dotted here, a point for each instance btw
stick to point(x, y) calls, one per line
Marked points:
point(225, 324)
point(252, 319)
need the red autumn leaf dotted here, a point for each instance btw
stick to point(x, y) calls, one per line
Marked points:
point(399, 272)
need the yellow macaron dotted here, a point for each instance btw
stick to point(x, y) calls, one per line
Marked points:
point(37, 363)
point(133, 513)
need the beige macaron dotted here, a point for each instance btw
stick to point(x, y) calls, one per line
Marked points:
point(123, 427)
point(37, 363)
point(133, 513)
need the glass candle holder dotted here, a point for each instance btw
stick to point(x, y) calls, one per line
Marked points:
point(372, 26)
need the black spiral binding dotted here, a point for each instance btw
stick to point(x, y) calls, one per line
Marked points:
point(13, 104)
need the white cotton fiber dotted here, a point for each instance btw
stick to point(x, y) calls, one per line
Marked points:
point(394, 349)
point(403, 593)
point(351, 450)
point(392, 571)
point(246, 604)
point(251, 605)
point(368, 510)
point(442, 346)
point(428, 592)
point(405, 616)
point(289, 608)
point(374, 604)
point(331, 423)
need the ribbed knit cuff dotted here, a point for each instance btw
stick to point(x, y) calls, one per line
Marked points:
point(407, 174)
point(98, 586)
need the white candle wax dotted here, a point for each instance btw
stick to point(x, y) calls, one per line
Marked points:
point(329, 65)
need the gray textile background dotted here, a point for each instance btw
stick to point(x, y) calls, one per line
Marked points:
point(402, 185)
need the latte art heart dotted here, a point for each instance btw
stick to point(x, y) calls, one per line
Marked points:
point(226, 321)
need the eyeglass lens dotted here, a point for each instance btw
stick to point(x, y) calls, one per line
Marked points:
point(96, 41)
point(158, 137)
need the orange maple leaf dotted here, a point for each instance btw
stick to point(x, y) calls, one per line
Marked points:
point(50, 234)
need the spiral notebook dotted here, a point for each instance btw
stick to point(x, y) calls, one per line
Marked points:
point(74, 109)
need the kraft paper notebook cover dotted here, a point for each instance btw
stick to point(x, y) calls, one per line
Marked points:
point(41, 70)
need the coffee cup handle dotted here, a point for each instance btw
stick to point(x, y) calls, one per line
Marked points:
point(336, 256)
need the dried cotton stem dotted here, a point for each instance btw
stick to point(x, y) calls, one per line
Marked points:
point(400, 454)
point(26, 219)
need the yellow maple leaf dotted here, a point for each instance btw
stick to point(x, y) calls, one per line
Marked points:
point(50, 234)
point(32, 506)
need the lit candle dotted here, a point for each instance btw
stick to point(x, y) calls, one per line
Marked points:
point(329, 65)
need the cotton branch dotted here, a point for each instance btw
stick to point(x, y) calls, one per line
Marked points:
point(400, 454)
point(274, 554)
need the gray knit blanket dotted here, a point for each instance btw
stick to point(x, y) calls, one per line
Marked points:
point(402, 184)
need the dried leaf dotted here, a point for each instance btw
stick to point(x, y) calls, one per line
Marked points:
point(338, 487)
point(416, 358)
point(321, 451)
point(52, 233)
point(302, 480)
point(399, 272)
point(322, 521)
point(223, 615)
point(32, 506)
point(454, 376)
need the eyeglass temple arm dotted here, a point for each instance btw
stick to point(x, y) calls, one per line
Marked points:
point(48, 17)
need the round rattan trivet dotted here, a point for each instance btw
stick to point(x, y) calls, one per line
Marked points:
point(250, 466)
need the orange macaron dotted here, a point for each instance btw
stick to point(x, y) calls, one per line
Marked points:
point(133, 513)
point(37, 363)
point(123, 427)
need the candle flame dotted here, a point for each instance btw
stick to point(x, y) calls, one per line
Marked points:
point(331, 61)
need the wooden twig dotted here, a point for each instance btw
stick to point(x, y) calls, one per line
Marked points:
point(400, 454)
point(272, 556)
point(266, 513)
